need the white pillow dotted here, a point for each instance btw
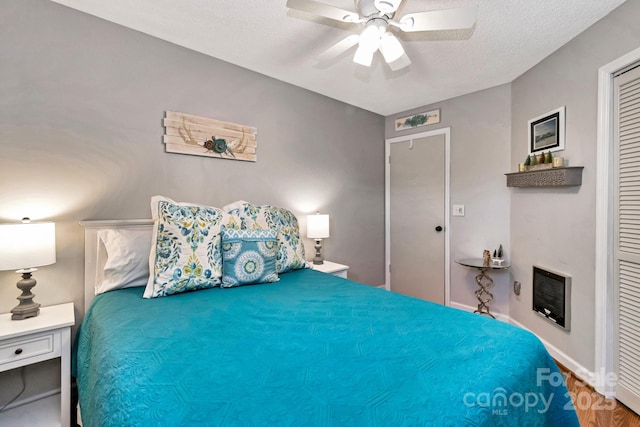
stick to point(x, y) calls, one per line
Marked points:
point(127, 263)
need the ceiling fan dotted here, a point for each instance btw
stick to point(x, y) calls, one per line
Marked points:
point(378, 17)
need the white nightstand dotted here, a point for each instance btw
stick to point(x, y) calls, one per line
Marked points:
point(334, 268)
point(33, 340)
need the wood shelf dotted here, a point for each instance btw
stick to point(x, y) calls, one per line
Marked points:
point(555, 177)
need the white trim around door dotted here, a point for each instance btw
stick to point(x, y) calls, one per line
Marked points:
point(604, 316)
point(387, 223)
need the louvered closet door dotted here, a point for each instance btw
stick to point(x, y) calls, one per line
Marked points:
point(627, 262)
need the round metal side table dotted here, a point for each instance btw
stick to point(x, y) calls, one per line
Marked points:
point(484, 281)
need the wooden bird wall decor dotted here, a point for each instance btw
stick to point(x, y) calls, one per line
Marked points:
point(201, 136)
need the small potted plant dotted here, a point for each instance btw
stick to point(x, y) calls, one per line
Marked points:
point(497, 258)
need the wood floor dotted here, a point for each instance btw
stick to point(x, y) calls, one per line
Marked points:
point(596, 411)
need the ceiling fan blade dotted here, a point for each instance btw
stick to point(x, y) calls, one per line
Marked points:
point(435, 20)
point(338, 48)
point(387, 6)
point(322, 9)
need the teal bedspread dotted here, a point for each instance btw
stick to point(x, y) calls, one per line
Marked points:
point(310, 350)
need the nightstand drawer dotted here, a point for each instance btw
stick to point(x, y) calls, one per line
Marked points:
point(15, 350)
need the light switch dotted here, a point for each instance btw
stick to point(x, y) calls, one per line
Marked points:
point(458, 210)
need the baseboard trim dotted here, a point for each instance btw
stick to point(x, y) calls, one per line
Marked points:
point(499, 316)
point(580, 371)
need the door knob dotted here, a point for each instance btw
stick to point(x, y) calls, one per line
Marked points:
point(439, 228)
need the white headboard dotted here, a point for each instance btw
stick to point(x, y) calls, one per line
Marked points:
point(94, 251)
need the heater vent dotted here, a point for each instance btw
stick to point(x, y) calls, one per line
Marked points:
point(552, 296)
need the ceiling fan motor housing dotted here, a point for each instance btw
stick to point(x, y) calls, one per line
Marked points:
point(369, 8)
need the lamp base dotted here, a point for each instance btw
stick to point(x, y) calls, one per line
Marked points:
point(318, 260)
point(26, 308)
point(21, 313)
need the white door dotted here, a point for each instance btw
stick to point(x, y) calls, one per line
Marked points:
point(627, 238)
point(417, 221)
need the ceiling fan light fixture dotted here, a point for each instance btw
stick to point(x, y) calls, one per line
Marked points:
point(400, 63)
point(363, 56)
point(370, 38)
point(390, 47)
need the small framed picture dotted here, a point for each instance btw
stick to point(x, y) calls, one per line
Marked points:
point(546, 132)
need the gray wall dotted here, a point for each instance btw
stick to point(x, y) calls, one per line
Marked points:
point(81, 108)
point(550, 227)
point(556, 227)
point(480, 140)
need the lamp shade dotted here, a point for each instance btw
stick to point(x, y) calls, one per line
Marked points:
point(317, 226)
point(27, 245)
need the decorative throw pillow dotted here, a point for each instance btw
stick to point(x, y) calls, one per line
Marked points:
point(237, 205)
point(185, 250)
point(291, 254)
point(127, 262)
point(248, 257)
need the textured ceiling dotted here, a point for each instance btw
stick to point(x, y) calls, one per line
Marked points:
point(510, 36)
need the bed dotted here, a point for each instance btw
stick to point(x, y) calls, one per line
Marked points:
point(311, 349)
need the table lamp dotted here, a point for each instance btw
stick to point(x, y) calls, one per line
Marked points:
point(318, 229)
point(23, 247)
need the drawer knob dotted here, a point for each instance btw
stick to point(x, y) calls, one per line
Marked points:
point(18, 351)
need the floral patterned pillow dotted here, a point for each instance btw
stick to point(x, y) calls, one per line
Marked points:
point(185, 249)
point(291, 254)
point(248, 257)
